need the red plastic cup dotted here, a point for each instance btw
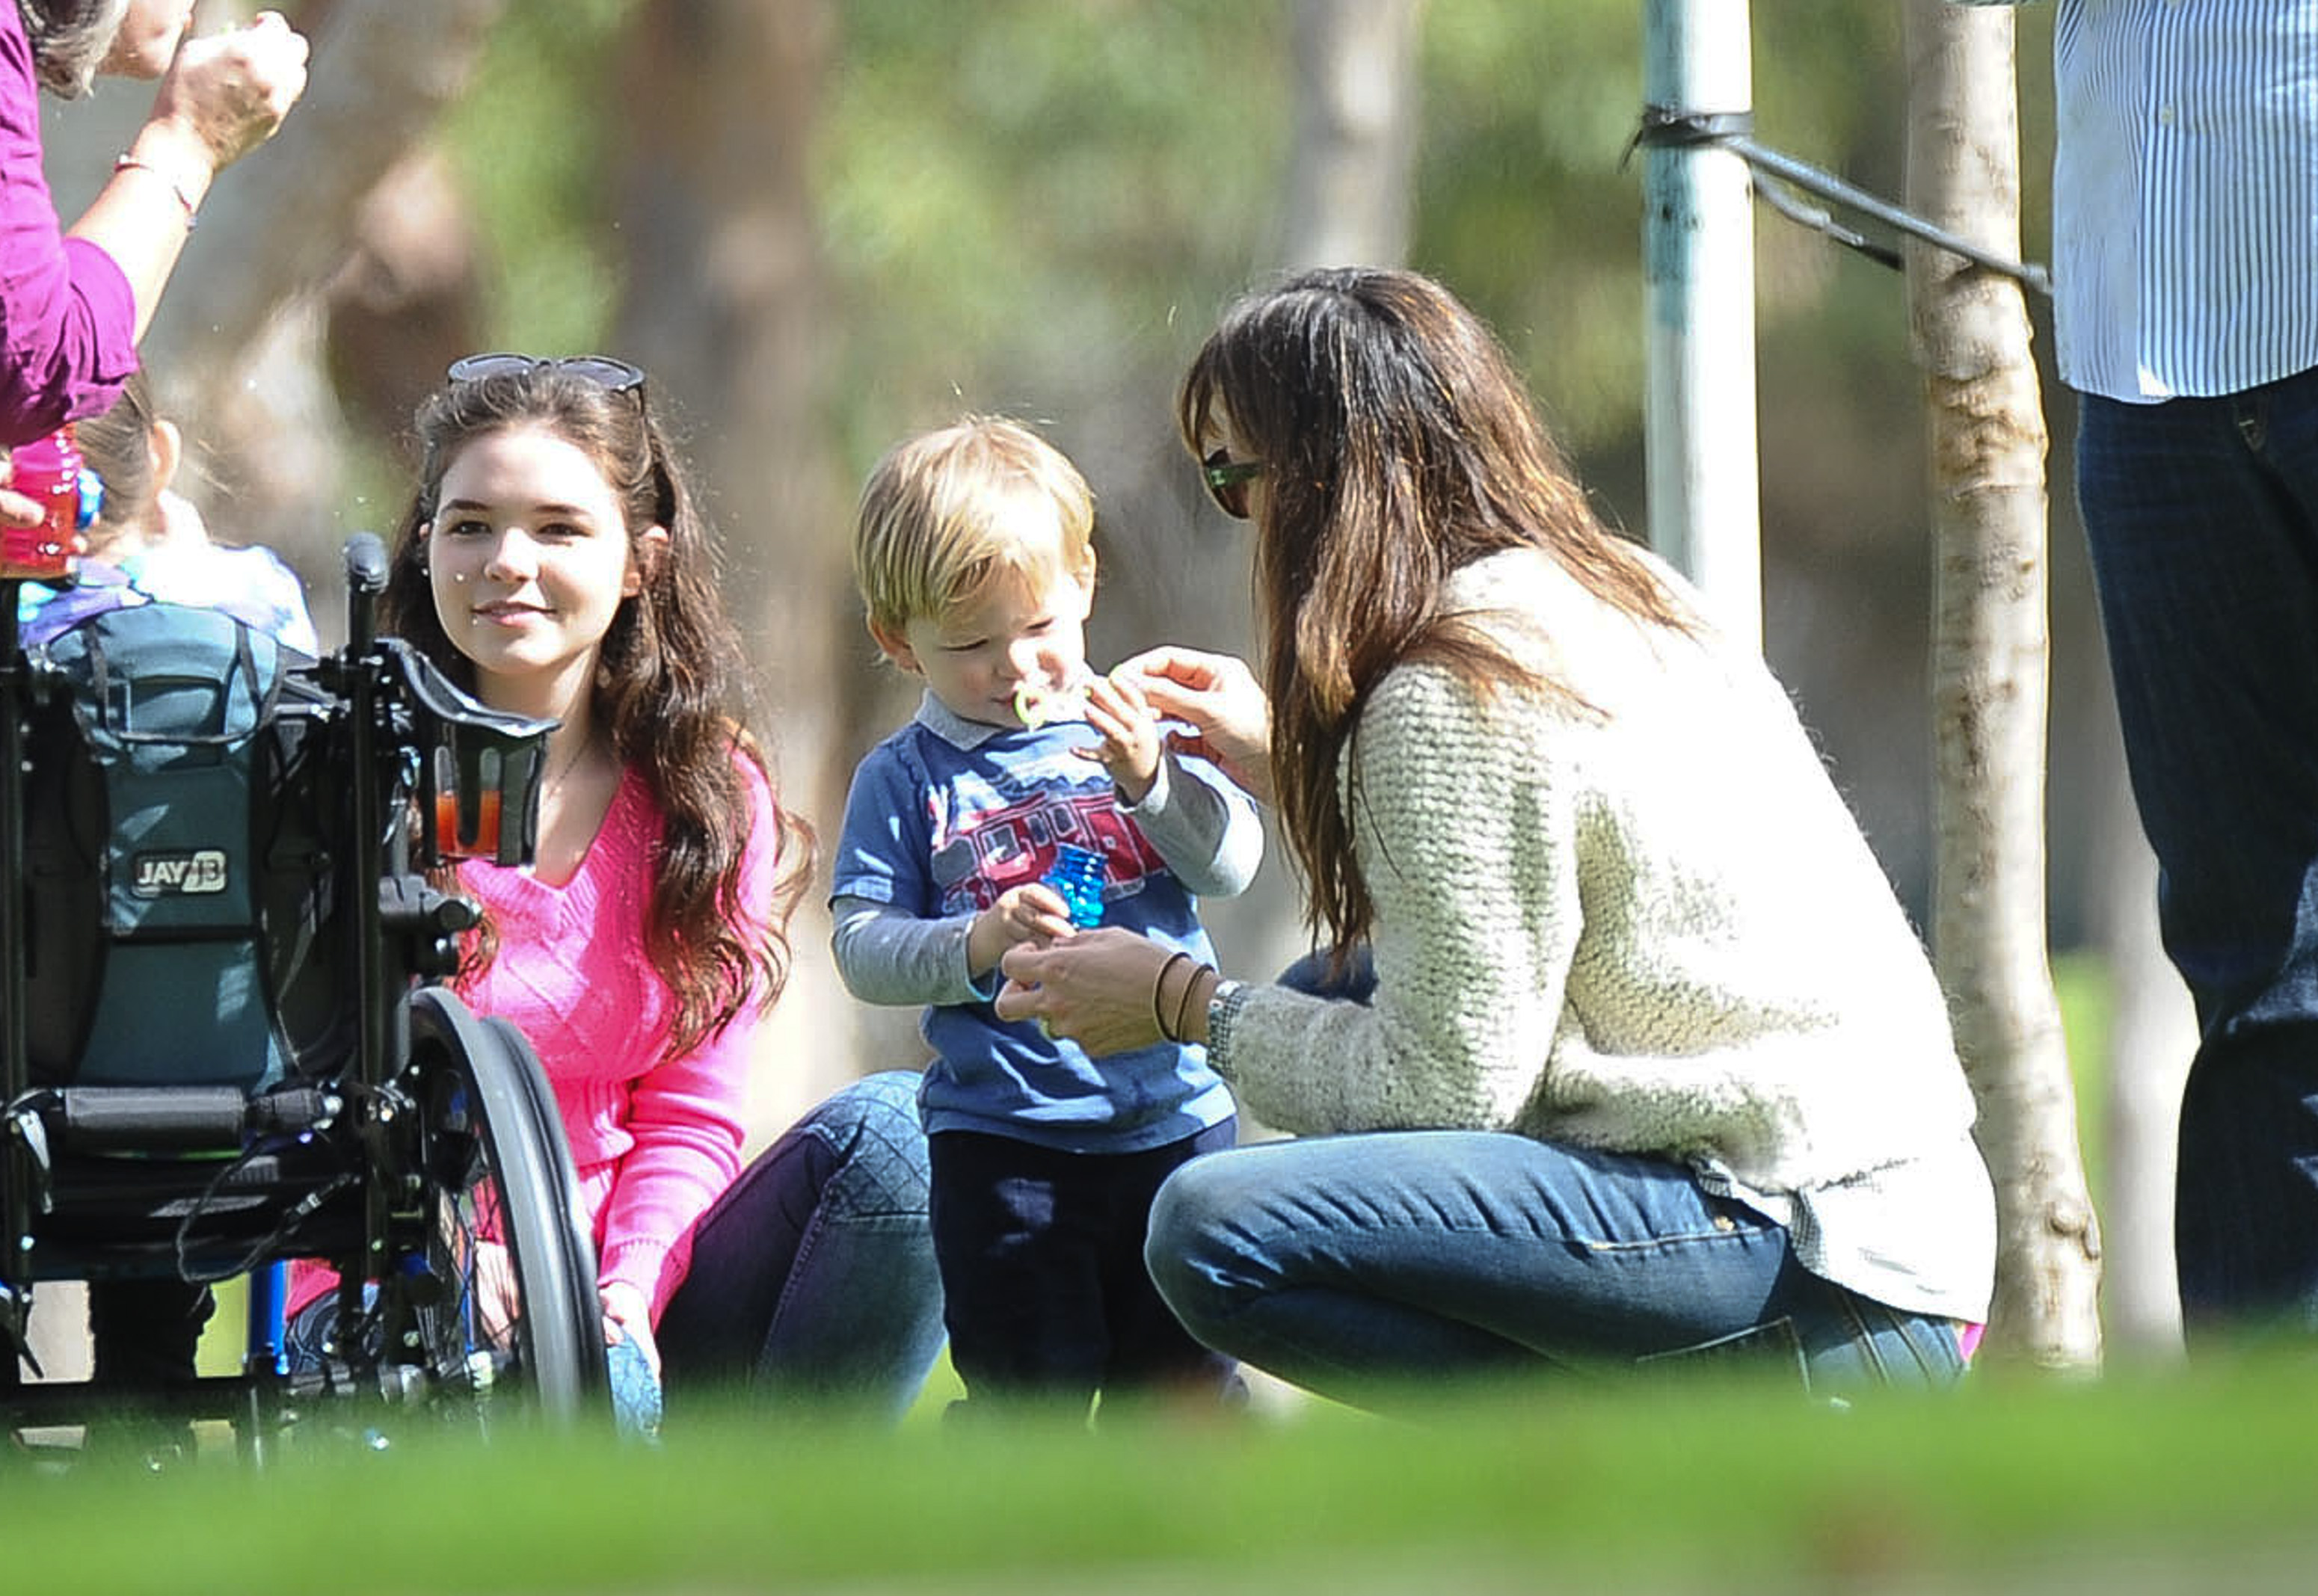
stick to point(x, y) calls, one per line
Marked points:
point(48, 471)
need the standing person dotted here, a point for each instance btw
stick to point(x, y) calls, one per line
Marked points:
point(2185, 198)
point(556, 563)
point(74, 303)
point(974, 554)
point(1653, 1064)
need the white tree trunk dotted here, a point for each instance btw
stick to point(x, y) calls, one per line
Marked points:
point(1990, 648)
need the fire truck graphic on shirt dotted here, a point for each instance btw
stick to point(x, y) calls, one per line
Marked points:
point(979, 854)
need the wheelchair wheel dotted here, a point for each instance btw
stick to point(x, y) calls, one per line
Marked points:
point(503, 1308)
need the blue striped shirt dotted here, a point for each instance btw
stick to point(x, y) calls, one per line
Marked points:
point(2185, 194)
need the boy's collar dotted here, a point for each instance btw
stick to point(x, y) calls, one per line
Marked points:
point(952, 726)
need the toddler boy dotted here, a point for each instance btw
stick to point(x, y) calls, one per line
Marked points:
point(973, 552)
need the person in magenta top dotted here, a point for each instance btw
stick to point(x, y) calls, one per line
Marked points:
point(556, 563)
point(73, 302)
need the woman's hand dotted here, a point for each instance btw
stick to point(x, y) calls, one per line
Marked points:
point(1220, 699)
point(1093, 987)
point(224, 94)
point(628, 1317)
point(1032, 912)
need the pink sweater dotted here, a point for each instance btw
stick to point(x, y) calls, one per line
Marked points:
point(656, 1139)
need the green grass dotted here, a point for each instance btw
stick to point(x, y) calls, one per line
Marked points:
point(2012, 1483)
point(2142, 1481)
point(2081, 982)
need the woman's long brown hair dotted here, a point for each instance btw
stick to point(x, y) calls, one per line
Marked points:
point(672, 686)
point(1397, 448)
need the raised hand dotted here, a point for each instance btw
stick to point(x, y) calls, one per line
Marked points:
point(1219, 698)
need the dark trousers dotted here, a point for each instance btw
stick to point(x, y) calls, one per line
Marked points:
point(812, 1278)
point(1042, 1282)
point(2202, 518)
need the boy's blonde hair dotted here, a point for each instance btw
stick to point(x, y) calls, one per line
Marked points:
point(943, 513)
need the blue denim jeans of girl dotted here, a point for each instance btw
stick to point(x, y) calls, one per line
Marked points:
point(812, 1276)
point(1360, 1266)
point(2202, 519)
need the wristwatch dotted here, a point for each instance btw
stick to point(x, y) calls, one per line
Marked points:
point(1223, 1005)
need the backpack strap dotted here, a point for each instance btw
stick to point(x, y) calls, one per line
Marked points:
point(107, 716)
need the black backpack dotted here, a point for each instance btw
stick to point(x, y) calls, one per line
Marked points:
point(180, 879)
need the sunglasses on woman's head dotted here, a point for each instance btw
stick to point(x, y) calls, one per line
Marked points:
point(602, 369)
point(614, 376)
point(1227, 480)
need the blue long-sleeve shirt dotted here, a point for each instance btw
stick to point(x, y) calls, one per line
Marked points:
point(944, 816)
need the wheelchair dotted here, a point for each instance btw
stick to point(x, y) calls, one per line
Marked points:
point(227, 1045)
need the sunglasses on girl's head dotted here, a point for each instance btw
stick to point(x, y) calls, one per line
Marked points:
point(1227, 480)
point(602, 369)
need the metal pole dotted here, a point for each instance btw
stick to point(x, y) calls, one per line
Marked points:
point(1698, 243)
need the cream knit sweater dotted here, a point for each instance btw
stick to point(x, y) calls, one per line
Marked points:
point(1652, 928)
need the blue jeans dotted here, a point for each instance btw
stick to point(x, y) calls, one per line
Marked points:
point(1358, 1265)
point(2202, 518)
point(1045, 1292)
point(812, 1276)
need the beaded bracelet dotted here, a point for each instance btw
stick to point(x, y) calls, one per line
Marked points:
point(1159, 985)
point(129, 163)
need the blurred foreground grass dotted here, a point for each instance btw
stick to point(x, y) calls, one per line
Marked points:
point(2155, 1481)
point(2199, 1478)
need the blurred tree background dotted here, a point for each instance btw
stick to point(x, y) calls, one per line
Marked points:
point(821, 223)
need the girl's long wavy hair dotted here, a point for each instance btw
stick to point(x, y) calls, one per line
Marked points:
point(672, 686)
point(1398, 447)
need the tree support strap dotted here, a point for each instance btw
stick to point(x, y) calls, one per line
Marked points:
point(1776, 175)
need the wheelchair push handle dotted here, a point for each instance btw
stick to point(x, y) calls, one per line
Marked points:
point(365, 558)
point(482, 770)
